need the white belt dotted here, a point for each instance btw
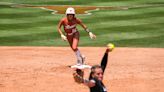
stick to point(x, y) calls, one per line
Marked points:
point(73, 31)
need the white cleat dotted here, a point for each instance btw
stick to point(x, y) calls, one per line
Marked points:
point(81, 60)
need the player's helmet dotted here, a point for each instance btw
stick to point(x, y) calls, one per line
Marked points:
point(70, 10)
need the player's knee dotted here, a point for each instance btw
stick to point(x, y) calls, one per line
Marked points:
point(74, 48)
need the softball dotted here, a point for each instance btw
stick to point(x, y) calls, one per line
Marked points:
point(110, 46)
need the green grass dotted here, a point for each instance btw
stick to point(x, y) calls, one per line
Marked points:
point(135, 27)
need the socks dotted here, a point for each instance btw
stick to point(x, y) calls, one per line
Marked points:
point(78, 55)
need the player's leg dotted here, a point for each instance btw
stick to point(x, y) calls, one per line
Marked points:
point(70, 40)
point(75, 48)
point(73, 41)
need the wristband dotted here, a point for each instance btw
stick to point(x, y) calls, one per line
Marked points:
point(87, 30)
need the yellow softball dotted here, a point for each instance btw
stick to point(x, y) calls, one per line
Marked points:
point(110, 46)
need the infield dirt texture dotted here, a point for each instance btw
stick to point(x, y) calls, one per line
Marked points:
point(45, 69)
point(33, 58)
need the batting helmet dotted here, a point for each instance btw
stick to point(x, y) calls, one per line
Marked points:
point(70, 10)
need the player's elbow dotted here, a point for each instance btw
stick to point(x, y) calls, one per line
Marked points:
point(90, 84)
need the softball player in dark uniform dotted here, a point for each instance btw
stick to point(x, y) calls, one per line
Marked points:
point(94, 82)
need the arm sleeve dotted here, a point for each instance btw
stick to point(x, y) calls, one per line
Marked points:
point(104, 61)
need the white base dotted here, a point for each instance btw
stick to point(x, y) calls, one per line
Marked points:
point(81, 66)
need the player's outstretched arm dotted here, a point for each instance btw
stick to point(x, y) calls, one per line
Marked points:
point(60, 31)
point(91, 35)
point(104, 60)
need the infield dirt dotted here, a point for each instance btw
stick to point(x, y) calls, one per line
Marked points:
point(45, 69)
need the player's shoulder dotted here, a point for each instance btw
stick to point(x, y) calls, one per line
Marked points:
point(78, 20)
point(93, 80)
point(64, 19)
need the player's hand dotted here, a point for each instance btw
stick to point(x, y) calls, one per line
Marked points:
point(64, 37)
point(92, 36)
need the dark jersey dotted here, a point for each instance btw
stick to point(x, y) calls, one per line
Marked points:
point(99, 86)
